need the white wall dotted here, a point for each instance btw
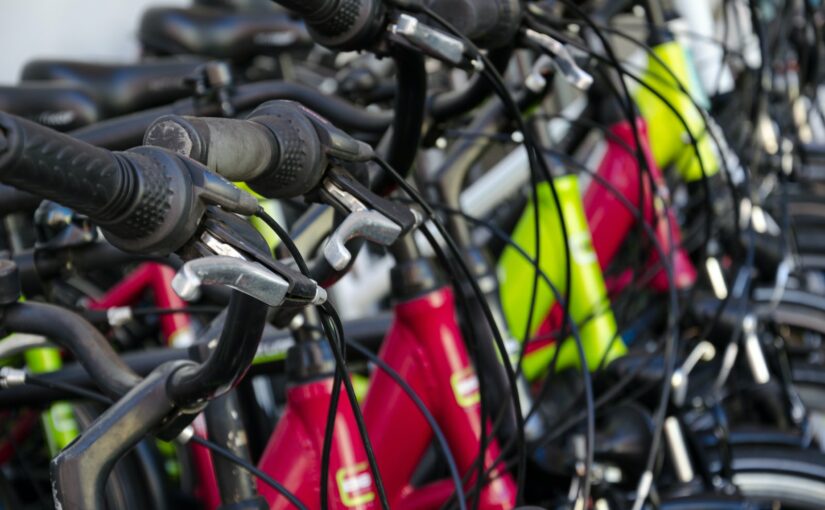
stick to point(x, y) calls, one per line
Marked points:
point(97, 30)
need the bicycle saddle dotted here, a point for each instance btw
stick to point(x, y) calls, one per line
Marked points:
point(58, 105)
point(217, 33)
point(120, 88)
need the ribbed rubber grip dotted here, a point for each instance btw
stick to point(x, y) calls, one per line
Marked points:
point(300, 163)
point(310, 10)
point(341, 24)
point(238, 150)
point(488, 23)
point(276, 150)
point(60, 168)
point(100, 184)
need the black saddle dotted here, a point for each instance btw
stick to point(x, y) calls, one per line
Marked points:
point(58, 105)
point(220, 34)
point(120, 88)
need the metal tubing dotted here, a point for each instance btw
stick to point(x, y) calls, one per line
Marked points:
point(73, 332)
point(232, 356)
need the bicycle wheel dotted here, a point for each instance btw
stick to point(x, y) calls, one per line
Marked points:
point(779, 478)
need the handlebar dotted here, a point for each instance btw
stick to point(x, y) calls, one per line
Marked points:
point(147, 200)
point(488, 23)
point(233, 354)
point(279, 154)
point(341, 24)
point(14, 200)
point(357, 24)
point(77, 335)
point(281, 150)
point(127, 131)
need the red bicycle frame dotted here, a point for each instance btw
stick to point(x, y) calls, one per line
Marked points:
point(176, 327)
point(424, 345)
point(610, 221)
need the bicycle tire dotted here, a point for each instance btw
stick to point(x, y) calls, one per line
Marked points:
point(791, 478)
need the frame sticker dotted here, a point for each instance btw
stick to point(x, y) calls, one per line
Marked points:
point(465, 387)
point(355, 484)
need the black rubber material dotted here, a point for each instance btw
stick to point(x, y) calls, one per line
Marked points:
point(127, 131)
point(277, 151)
point(87, 344)
point(58, 105)
point(146, 199)
point(219, 34)
point(301, 162)
point(14, 200)
point(60, 168)
point(488, 23)
point(120, 88)
point(92, 181)
point(341, 24)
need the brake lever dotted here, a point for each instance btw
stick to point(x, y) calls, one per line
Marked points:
point(561, 58)
point(410, 31)
point(341, 190)
point(370, 225)
point(228, 236)
point(242, 275)
point(703, 351)
point(369, 216)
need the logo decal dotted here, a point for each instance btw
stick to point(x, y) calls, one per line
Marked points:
point(355, 484)
point(465, 387)
point(581, 247)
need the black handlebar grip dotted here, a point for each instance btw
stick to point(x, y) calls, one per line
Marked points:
point(341, 24)
point(301, 159)
point(55, 166)
point(488, 23)
point(276, 151)
point(238, 150)
point(140, 198)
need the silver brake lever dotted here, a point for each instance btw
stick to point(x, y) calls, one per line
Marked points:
point(370, 225)
point(427, 39)
point(753, 350)
point(562, 58)
point(360, 222)
point(704, 351)
point(244, 276)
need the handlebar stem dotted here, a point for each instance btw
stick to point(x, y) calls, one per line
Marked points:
point(232, 356)
point(80, 471)
point(86, 343)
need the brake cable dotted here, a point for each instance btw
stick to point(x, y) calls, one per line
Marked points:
point(461, 263)
point(603, 399)
point(336, 340)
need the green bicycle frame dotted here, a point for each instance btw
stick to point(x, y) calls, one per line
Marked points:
point(58, 420)
point(669, 140)
point(589, 304)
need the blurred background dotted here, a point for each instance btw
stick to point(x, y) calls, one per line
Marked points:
point(96, 30)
